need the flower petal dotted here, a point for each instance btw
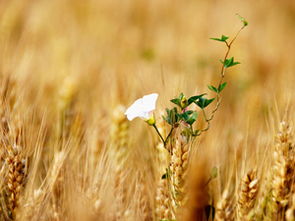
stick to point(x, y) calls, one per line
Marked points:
point(149, 102)
point(142, 107)
point(134, 110)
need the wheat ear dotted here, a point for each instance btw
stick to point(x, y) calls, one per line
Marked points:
point(283, 168)
point(247, 195)
point(178, 167)
point(15, 177)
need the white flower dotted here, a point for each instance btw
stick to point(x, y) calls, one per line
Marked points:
point(142, 107)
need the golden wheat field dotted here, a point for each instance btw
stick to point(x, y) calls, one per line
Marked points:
point(210, 140)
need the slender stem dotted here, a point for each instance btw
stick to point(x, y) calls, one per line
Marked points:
point(208, 181)
point(158, 132)
point(237, 35)
point(170, 132)
point(207, 121)
point(191, 128)
point(205, 116)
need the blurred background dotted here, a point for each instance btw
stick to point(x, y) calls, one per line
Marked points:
point(112, 52)
point(71, 63)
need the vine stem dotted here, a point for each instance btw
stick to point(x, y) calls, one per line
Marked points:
point(161, 137)
point(222, 75)
point(170, 132)
point(158, 132)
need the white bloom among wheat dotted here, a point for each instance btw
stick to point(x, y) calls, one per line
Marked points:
point(142, 107)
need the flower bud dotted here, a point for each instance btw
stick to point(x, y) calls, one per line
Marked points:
point(183, 102)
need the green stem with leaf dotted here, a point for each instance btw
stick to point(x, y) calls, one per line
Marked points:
point(222, 75)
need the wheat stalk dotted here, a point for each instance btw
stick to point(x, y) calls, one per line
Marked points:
point(31, 206)
point(119, 153)
point(144, 207)
point(66, 102)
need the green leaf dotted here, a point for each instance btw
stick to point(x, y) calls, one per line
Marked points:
point(189, 116)
point(189, 112)
point(176, 101)
point(181, 95)
point(203, 102)
point(221, 87)
point(164, 176)
point(214, 172)
point(183, 116)
point(192, 118)
point(243, 20)
point(148, 54)
point(222, 39)
point(194, 98)
point(181, 101)
point(172, 116)
point(229, 62)
point(212, 88)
